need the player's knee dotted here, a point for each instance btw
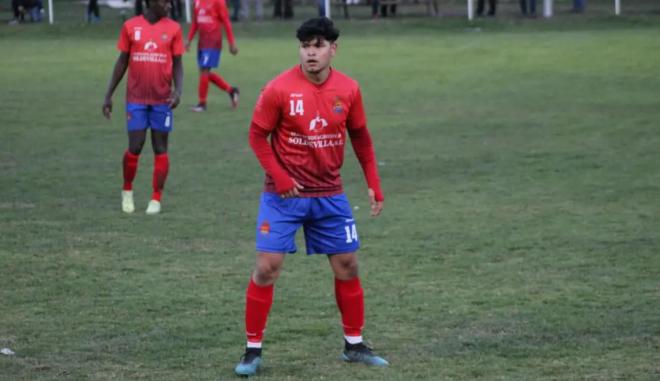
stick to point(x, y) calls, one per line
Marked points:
point(346, 268)
point(266, 272)
point(135, 146)
point(135, 149)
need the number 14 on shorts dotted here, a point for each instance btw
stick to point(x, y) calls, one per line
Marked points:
point(351, 233)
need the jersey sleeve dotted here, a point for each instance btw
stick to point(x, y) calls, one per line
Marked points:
point(193, 24)
point(363, 146)
point(177, 43)
point(356, 117)
point(267, 111)
point(223, 13)
point(124, 42)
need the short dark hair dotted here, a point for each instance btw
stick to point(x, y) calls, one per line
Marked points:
point(318, 27)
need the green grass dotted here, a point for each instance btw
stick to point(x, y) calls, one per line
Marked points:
point(520, 238)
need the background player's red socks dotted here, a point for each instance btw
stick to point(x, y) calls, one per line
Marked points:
point(257, 305)
point(203, 89)
point(130, 164)
point(218, 81)
point(161, 168)
point(350, 300)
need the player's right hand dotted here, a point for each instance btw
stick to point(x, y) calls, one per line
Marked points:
point(293, 192)
point(107, 108)
point(187, 46)
point(376, 206)
point(233, 49)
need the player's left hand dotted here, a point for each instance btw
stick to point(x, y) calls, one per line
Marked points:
point(233, 49)
point(107, 108)
point(376, 206)
point(174, 100)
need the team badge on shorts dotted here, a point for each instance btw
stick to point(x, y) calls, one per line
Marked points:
point(264, 228)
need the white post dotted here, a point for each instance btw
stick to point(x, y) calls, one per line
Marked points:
point(617, 7)
point(51, 15)
point(327, 8)
point(188, 11)
point(470, 10)
point(547, 8)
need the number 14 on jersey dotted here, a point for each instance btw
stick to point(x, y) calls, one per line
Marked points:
point(296, 107)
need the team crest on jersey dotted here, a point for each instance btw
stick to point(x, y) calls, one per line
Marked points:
point(164, 37)
point(150, 46)
point(264, 228)
point(337, 105)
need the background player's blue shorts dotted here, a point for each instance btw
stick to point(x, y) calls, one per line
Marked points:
point(327, 222)
point(208, 58)
point(156, 117)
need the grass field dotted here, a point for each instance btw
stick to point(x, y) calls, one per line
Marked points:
point(520, 238)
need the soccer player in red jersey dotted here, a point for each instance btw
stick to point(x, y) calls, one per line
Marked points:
point(150, 47)
point(307, 112)
point(209, 18)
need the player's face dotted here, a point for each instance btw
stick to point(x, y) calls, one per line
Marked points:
point(160, 8)
point(316, 54)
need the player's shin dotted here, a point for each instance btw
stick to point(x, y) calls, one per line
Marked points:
point(129, 165)
point(203, 89)
point(257, 306)
point(161, 169)
point(350, 301)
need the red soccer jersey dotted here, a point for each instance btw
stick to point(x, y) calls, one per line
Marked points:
point(308, 125)
point(209, 17)
point(151, 48)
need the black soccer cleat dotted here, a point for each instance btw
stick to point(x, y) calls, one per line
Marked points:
point(250, 362)
point(362, 354)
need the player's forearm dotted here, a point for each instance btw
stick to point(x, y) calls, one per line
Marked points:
point(258, 139)
point(117, 74)
point(230, 34)
point(364, 150)
point(178, 74)
point(191, 33)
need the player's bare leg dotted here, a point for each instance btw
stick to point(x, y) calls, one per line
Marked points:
point(350, 301)
point(259, 298)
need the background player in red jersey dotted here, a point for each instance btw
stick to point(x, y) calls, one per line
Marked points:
point(307, 111)
point(209, 17)
point(150, 47)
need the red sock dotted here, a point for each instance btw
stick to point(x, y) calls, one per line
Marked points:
point(257, 305)
point(130, 164)
point(218, 81)
point(350, 300)
point(203, 89)
point(161, 168)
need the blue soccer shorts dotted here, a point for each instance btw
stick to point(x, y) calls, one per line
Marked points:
point(208, 58)
point(156, 117)
point(327, 222)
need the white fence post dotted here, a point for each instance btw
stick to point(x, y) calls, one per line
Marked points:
point(547, 8)
point(51, 13)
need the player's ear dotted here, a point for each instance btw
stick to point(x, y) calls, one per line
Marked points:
point(333, 48)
